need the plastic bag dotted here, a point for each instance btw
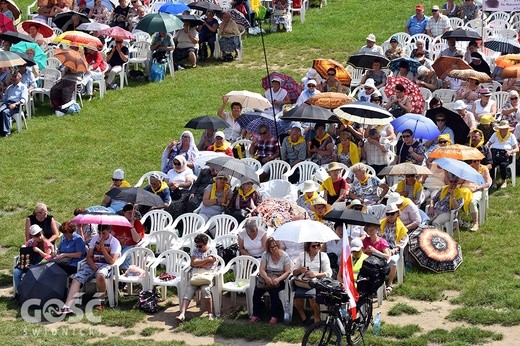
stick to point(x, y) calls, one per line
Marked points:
point(157, 71)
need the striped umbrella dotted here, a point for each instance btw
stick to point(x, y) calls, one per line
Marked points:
point(503, 45)
point(365, 113)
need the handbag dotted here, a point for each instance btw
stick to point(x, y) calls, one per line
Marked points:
point(262, 284)
point(303, 282)
point(201, 276)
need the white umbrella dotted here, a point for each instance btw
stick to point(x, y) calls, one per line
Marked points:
point(93, 26)
point(248, 99)
point(204, 156)
point(303, 231)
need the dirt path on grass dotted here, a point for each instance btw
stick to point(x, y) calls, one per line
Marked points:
point(432, 315)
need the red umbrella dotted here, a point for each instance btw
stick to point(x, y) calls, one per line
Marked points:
point(6, 24)
point(79, 38)
point(288, 83)
point(412, 91)
point(42, 28)
point(117, 32)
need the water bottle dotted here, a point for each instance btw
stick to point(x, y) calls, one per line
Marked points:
point(286, 315)
point(343, 310)
point(377, 324)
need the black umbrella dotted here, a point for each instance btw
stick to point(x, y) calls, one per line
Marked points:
point(136, 195)
point(44, 282)
point(366, 60)
point(28, 60)
point(460, 34)
point(310, 113)
point(206, 122)
point(235, 168)
point(435, 250)
point(503, 45)
point(351, 217)
point(205, 6)
point(15, 37)
point(365, 113)
point(62, 18)
point(453, 121)
point(192, 19)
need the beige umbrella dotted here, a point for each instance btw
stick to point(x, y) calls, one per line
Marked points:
point(404, 169)
point(470, 74)
point(330, 100)
point(248, 99)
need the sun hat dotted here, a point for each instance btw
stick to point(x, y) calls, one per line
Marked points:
point(220, 134)
point(320, 201)
point(309, 186)
point(312, 81)
point(118, 174)
point(459, 104)
point(371, 38)
point(333, 166)
point(435, 8)
point(356, 202)
point(503, 124)
point(35, 229)
point(276, 79)
point(394, 198)
point(391, 208)
point(422, 70)
point(221, 175)
point(356, 244)
point(445, 137)
point(370, 83)
point(484, 91)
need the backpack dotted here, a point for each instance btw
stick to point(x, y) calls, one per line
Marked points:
point(136, 76)
point(148, 301)
point(372, 274)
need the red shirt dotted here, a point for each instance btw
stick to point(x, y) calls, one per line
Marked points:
point(98, 62)
point(124, 234)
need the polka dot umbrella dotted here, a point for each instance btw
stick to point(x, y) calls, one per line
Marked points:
point(412, 91)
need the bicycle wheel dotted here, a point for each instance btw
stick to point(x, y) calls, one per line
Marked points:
point(359, 326)
point(322, 333)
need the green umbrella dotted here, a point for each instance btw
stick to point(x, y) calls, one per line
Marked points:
point(159, 22)
point(39, 55)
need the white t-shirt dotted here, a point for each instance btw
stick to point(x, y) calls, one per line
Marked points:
point(111, 242)
point(232, 133)
point(253, 246)
point(180, 177)
point(277, 96)
point(509, 143)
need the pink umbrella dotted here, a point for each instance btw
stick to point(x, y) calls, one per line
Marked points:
point(101, 218)
point(117, 32)
point(412, 91)
point(6, 24)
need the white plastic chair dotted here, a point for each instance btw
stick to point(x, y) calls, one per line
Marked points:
point(142, 36)
point(219, 225)
point(278, 188)
point(276, 169)
point(427, 94)
point(245, 268)
point(300, 11)
point(146, 177)
point(20, 119)
point(494, 86)
point(163, 240)
point(508, 33)
point(226, 240)
point(140, 257)
point(426, 38)
point(246, 143)
point(446, 95)
point(498, 15)
point(140, 54)
point(160, 220)
point(500, 97)
point(456, 22)
point(476, 25)
point(190, 222)
point(250, 161)
point(306, 170)
point(436, 49)
point(176, 262)
point(50, 77)
point(53, 62)
point(483, 206)
point(402, 37)
point(355, 74)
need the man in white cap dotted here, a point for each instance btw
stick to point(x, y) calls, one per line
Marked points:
point(369, 88)
point(438, 23)
point(371, 46)
point(277, 95)
point(118, 180)
point(468, 117)
point(309, 190)
point(309, 91)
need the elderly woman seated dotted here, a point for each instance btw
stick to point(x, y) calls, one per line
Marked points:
point(229, 37)
point(216, 197)
point(365, 186)
point(186, 45)
point(180, 177)
point(282, 17)
point(244, 200)
point(447, 199)
point(252, 240)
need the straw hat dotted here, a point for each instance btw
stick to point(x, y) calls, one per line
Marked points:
point(394, 198)
point(320, 201)
point(221, 175)
point(333, 166)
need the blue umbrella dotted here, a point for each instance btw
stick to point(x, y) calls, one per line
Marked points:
point(414, 64)
point(39, 55)
point(174, 7)
point(421, 126)
point(460, 169)
point(252, 121)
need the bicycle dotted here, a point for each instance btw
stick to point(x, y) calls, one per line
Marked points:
point(339, 322)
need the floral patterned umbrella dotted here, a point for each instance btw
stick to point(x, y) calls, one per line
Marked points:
point(412, 91)
point(288, 83)
point(277, 211)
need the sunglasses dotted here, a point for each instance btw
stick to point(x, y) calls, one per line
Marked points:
point(391, 214)
point(331, 74)
point(513, 98)
point(116, 179)
point(406, 136)
point(199, 245)
point(433, 11)
point(357, 207)
point(441, 120)
point(443, 142)
point(37, 235)
point(273, 246)
point(315, 246)
point(311, 86)
point(176, 163)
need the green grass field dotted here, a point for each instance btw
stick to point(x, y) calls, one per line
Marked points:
point(67, 163)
